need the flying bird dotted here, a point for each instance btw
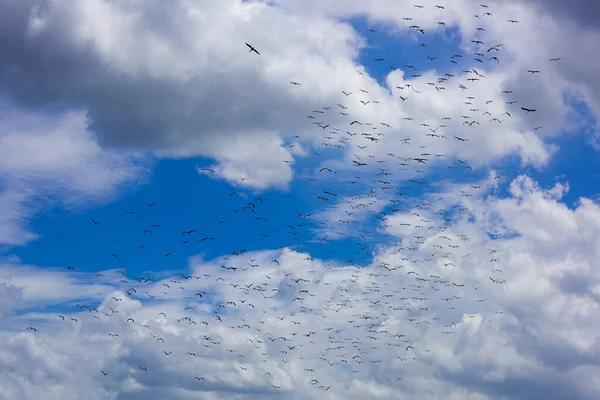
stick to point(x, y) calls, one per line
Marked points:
point(252, 49)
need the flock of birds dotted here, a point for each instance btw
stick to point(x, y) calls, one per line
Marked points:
point(355, 332)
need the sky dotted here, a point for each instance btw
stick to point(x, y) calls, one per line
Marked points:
point(383, 200)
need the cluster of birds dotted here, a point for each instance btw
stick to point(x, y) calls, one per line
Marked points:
point(352, 328)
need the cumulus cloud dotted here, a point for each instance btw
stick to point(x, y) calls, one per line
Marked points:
point(152, 79)
point(545, 29)
point(474, 294)
point(236, 325)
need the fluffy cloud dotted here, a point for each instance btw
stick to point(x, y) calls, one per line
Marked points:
point(152, 78)
point(479, 296)
point(545, 29)
point(237, 325)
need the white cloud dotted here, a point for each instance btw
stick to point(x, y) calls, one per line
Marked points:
point(162, 83)
point(487, 318)
point(529, 44)
point(13, 217)
point(265, 171)
point(543, 344)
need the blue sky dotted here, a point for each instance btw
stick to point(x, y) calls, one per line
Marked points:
point(207, 177)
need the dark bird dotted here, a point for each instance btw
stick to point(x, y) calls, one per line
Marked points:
point(252, 49)
point(528, 109)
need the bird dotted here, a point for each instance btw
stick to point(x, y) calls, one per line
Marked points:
point(528, 110)
point(252, 49)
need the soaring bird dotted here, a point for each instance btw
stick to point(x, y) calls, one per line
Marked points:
point(252, 49)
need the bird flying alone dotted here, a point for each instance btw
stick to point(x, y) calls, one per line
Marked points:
point(252, 49)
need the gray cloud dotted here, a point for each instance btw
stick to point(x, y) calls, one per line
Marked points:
point(582, 12)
